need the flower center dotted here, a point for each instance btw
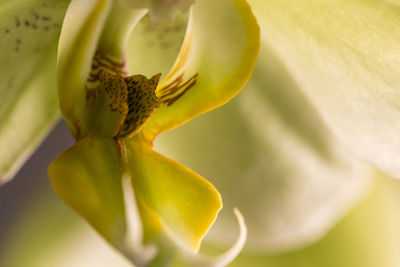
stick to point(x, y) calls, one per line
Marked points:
point(118, 106)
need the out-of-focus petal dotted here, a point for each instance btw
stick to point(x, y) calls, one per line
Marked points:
point(344, 56)
point(29, 32)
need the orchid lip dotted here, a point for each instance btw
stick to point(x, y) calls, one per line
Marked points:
point(133, 99)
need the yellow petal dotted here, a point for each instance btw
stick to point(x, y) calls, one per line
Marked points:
point(215, 61)
point(88, 178)
point(186, 203)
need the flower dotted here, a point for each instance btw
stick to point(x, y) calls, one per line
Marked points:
point(333, 47)
point(110, 115)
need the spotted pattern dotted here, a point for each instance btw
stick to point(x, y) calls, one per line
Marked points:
point(116, 91)
point(142, 102)
point(132, 97)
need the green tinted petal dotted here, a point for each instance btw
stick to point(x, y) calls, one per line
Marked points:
point(81, 32)
point(216, 59)
point(161, 11)
point(29, 32)
point(88, 177)
point(186, 203)
point(154, 49)
point(117, 29)
point(344, 55)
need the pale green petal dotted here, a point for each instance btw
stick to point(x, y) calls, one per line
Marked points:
point(344, 55)
point(88, 178)
point(216, 59)
point(80, 34)
point(186, 203)
point(270, 155)
point(161, 11)
point(29, 32)
point(154, 49)
point(368, 236)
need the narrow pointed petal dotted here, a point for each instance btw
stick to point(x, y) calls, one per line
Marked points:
point(215, 61)
point(88, 176)
point(29, 32)
point(186, 203)
point(344, 55)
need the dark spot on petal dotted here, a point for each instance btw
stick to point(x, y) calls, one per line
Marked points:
point(7, 30)
point(46, 28)
point(18, 41)
point(34, 26)
point(27, 23)
point(45, 18)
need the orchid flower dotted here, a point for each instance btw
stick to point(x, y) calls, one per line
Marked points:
point(340, 57)
point(114, 118)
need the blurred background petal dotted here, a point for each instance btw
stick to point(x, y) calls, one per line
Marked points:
point(29, 31)
point(344, 56)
